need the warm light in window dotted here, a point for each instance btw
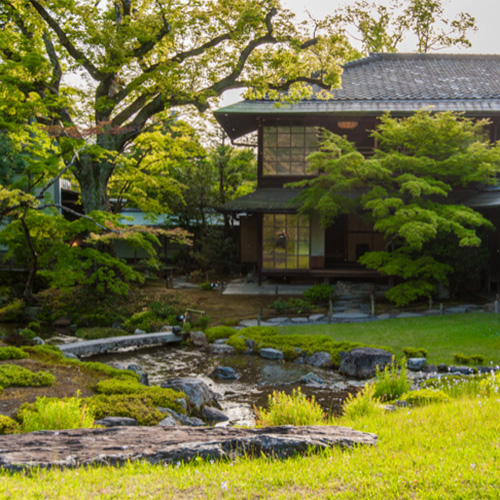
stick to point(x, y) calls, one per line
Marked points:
point(347, 125)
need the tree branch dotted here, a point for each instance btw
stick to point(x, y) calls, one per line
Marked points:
point(66, 43)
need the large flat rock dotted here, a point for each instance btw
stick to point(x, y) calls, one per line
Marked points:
point(99, 346)
point(117, 445)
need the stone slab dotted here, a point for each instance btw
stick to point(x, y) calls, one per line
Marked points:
point(350, 315)
point(278, 320)
point(118, 445)
point(317, 317)
point(100, 346)
point(299, 320)
point(408, 315)
point(254, 322)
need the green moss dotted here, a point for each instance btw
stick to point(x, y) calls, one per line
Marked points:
point(100, 332)
point(18, 376)
point(238, 342)
point(415, 352)
point(424, 397)
point(8, 425)
point(219, 332)
point(158, 395)
point(137, 406)
point(268, 336)
point(467, 360)
point(12, 353)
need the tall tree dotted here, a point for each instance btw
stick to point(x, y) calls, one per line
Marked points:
point(141, 58)
point(381, 28)
point(403, 191)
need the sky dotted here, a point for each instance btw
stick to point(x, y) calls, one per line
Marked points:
point(486, 40)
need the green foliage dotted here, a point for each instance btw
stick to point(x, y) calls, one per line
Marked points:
point(219, 332)
point(27, 334)
point(12, 353)
point(319, 293)
point(12, 312)
point(158, 396)
point(292, 304)
point(489, 386)
point(99, 332)
point(45, 352)
point(207, 286)
point(137, 406)
point(280, 306)
point(8, 425)
point(268, 336)
point(457, 386)
point(54, 413)
point(403, 190)
point(18, 376)
point(144, 320)
point(290, 409)
point(238, 342)
point(34, 325)
point(415, 352)
point(425, 397)
point(363, 404)
point(466, 360)
point(392, 382)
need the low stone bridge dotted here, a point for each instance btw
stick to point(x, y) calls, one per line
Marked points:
point(101, 346)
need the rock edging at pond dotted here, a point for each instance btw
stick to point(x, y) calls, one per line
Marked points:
point(118, 445)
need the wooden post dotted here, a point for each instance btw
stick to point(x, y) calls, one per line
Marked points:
point(372, 301)
point(276, 290)
point(221, 287)
point(330, 310)
point(259, 317)
point(497, 298)
point(441, 308)
point(430, 301)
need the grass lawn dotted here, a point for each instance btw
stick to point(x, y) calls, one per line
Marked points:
point(442, 336)
point(442, 451)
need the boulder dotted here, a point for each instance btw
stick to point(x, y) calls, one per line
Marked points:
point(270, 353)
point(168, 445)
point(319, 359)
point(62, 322)
point(225, 373)
point(361, 362)
point(38, 341)
point(221, 349)
point(140, 371)
point(168, 421)
point(213, 416)
point(182, 419)
point(416, 364)
point(463, 370)
point(116, 422)
point(199, 339)
point(196, 390)
point(442, 368)
point(250, 346)
point(138, 331)
point(311, 378)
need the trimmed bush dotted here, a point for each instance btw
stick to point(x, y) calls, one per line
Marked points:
point(364, 403)
point(238, 342)
point(8, 425)
point(55, 413)
point(12, 353)
point(18, 376)
point(27, 334)
point(219, 332)
point(392, 382)
point(467, 360)
point(280, 306)
point(290, 409)
point(425, 397)
point(415, 352)
point(319, 293)
point(12, 312)
point(207, 286)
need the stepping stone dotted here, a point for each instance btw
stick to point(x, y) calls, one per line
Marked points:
point(351, 315)
point(254, 322)
point(299, 320)
point(278, 320)
point(408, 315)
point(316, 317)
point(432, 312)
point(384, 316)
point(462, 309)
point(270, 353)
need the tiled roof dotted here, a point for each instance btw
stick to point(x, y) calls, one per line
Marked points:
point(264, 200)
point(399, 83)
point(420, 77)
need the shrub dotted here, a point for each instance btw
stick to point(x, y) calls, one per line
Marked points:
point(202, 322)
point(364, 403)
point(12, 353)
point(55, 413)
point(100, 332)
point(207, 286)
point(144, 320)
point(45, 352)
point(137, 406)
point(391, 383)
point(298, 305)
point(319, 294)
point(158, 396)
point(8, 425)
point(13, 375)
point(425, 397)
point(466, 360)
point(12, 312)
point(489, 386)
point(415, 352)
point(238, 342)
point(280, 306)
point(219, 332)
point(27, 334)
point(457, 386)
point(290, 409)
point(34, 325)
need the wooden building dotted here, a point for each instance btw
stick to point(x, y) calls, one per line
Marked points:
point(280, 243)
